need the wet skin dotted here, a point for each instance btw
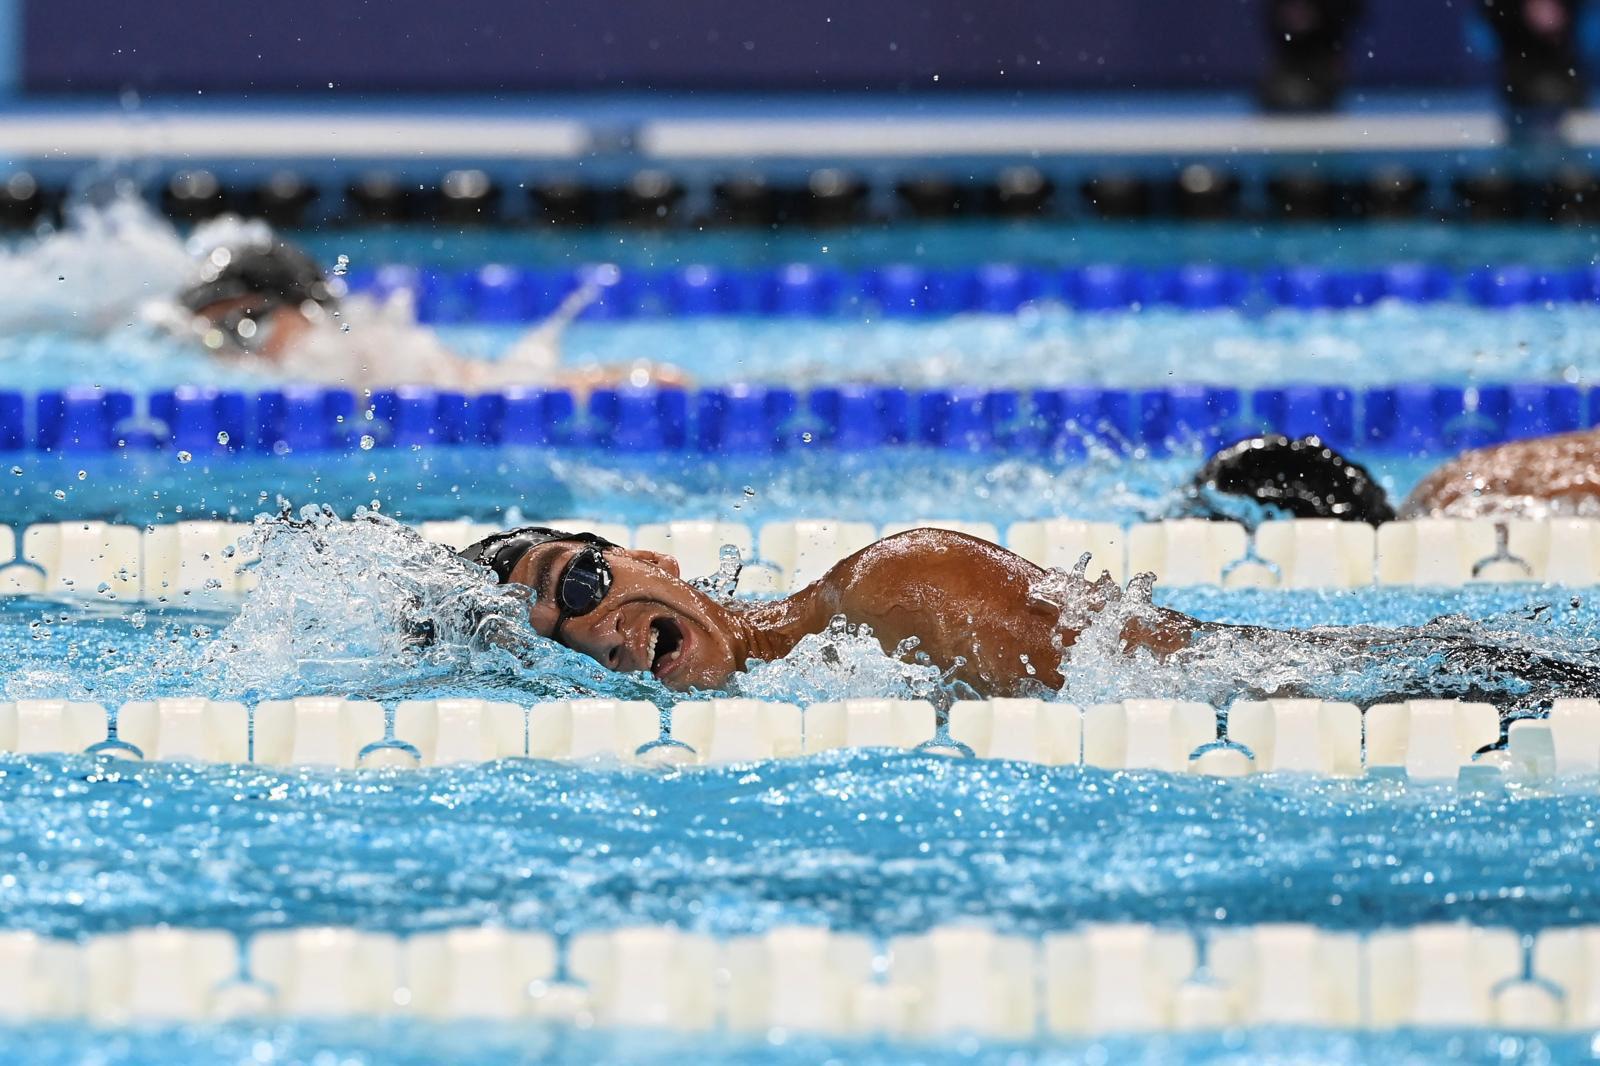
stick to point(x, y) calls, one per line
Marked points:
point(970, 604)
point(1562, 470)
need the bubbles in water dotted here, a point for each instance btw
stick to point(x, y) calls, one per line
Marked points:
point(184, 457)
point(367, 441)
point(222, 437)
point(60, 494)
point(16, 471)
point(341, 265)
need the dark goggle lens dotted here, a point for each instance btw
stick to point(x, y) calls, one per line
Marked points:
point(584, 583)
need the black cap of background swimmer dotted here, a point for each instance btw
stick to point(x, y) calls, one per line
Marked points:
point(503, 551)
point(1303, 477)
point(281, 272)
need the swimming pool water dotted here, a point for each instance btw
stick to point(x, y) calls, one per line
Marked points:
point(1035, 347)
point(495, 485)
point(865, 841)
point(412, 1043)
point(958, 243)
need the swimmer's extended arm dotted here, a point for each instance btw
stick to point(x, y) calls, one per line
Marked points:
point(967, 601)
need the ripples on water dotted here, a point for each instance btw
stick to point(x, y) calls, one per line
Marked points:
point(871, 841)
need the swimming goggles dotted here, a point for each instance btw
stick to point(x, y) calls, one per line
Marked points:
point(582, 586)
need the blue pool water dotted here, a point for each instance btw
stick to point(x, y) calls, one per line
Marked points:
point(961, 243)
point(865, 841)
point(414, 1043)
point(500, 484)
point(1045, 346)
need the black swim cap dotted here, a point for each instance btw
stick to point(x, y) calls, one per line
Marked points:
point(1304, 477)
point(503, 551)
point(280, 271)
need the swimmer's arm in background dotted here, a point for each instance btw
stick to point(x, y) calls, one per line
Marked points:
point(535, 357)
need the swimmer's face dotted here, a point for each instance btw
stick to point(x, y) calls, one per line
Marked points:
point(250, 324)
point(649, 620)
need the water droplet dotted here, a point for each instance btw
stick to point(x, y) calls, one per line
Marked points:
point(805, 438)
point(82, 474)
point(17, 470)
point(341, 266)
point(222, 437)
point(367, 441)
point(184, 457)
point(60, 494)
point(103, 588)
point(372, 477)
point(749, 490)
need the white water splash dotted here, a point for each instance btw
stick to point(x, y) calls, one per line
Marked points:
point(94, 274)
point(842, 662)
point(1515, 661)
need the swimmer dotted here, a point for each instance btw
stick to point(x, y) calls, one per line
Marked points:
point(988, 619)
point(971, 606)
point(266, 304)
point(1305, 478)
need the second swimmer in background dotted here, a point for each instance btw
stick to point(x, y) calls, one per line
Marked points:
point(266, 303)
point(1305, 478)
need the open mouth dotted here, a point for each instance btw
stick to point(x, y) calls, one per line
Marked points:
point(666, 645)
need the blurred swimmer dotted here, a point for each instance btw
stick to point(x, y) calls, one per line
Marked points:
point(1305, 478)
point(266, 303)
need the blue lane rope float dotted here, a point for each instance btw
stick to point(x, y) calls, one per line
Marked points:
point(752, 419)
point(500, 293)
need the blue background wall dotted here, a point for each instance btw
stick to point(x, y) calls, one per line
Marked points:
point(180, 46)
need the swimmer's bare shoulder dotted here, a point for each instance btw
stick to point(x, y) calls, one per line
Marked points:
point(962, 598)
point(1565, 467)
